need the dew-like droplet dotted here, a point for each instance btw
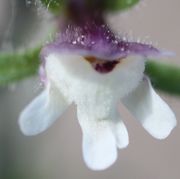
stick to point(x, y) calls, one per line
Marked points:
point(74, 42)
point(122, 49)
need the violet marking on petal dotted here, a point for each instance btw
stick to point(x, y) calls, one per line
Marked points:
point(96, 39)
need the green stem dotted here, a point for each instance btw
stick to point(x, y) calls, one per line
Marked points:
point(16, 66)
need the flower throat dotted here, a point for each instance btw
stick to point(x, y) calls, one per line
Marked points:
point(102, 66)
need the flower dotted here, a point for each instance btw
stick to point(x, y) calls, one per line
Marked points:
point(90, 66)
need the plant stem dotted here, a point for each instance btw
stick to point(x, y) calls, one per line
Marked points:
point(164, 77)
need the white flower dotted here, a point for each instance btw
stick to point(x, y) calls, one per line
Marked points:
point(71, 79)
point(85, 67)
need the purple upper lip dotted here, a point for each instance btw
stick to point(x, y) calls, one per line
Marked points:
point(96, 40)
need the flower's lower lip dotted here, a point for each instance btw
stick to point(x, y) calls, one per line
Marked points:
point(102, 66)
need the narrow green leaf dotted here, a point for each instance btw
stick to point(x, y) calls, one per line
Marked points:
point(164, 76)
point(16, 66)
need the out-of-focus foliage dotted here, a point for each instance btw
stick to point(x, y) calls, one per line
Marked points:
point(164, 76)
point(113, 5)
point(109, 5)
point(16, 66)
point(54, 6)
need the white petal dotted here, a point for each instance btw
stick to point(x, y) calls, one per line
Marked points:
point(99, 143)
point(75, 74)
point(148, 108)
point(42, 111)
point(99, 148)
point(121, 134)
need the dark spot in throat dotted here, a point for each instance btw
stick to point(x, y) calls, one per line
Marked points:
point(102, 66)
point(105, 67)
